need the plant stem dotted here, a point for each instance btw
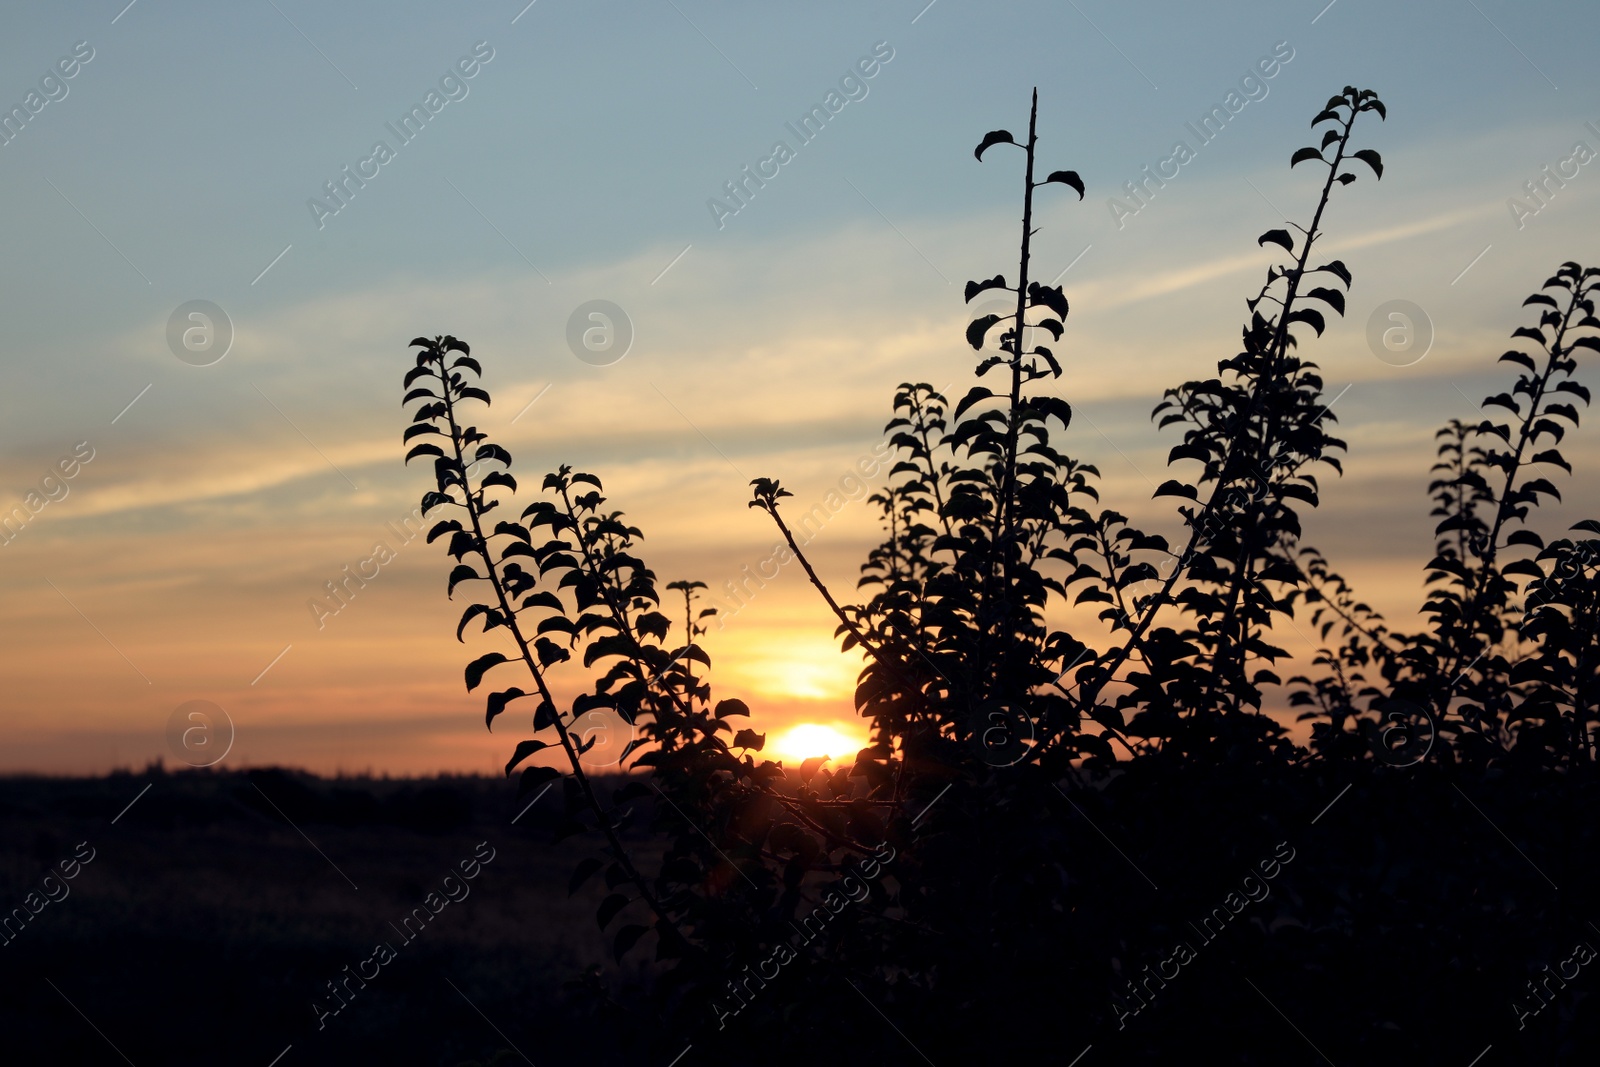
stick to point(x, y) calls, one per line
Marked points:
point(473, 505)
point(1008, 490)
point(855, 631)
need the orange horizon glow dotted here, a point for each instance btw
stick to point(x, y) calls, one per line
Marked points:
point(807, 740)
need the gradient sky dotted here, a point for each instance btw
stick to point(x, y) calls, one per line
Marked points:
point(178, 166)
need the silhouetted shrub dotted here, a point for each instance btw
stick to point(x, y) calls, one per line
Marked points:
point(963, 877)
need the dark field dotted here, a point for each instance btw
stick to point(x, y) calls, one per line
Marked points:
point(1401, 919)
point(205, 926)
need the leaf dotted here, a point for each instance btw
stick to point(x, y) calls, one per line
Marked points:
point(1371, 159)
point(1108, 716)
point(533, 777)
point(557, 622)
point(609, 908)
point(1308, 316)
point(585, 870)
point(467, 616)
point(974, 395)
point(476, 669)
point(425, 449)
point(978, 329)
point(1307, 153)
point(461, 573)
point(1049, 296)
point(749, 739)
point(544, 599)
point(627, 937)
point(610, 645)
point(1552, 456)
point(1172, 487)
point(1504, 400)
point(497, 704)
point(993, 137)
point(1541, 485)
point(974, 288)
point(549, 652)
point(447, 472)
point(498, 478)
point(461, 543)
point(493, 451)
point(524, 750)
point(1523, 566)
point(1338, 270)
point(447, 526)
point(726, 708)
point(1328, 113)
point(1053, 406)
point(1332, 297)
point(545, 716)
point(1520, 358)
point(1277, 237)
point(1068, 178)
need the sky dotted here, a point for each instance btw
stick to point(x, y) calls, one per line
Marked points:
point(572, 153)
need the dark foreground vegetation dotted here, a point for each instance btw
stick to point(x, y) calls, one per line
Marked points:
point(1071, 840)
point(1399, 927)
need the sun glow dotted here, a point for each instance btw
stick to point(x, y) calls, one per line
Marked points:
point(808, 739)
point(791, 664)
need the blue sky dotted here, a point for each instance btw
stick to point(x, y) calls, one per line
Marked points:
point(576, 164)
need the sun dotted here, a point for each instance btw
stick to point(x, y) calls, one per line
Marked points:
point(808, 739)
